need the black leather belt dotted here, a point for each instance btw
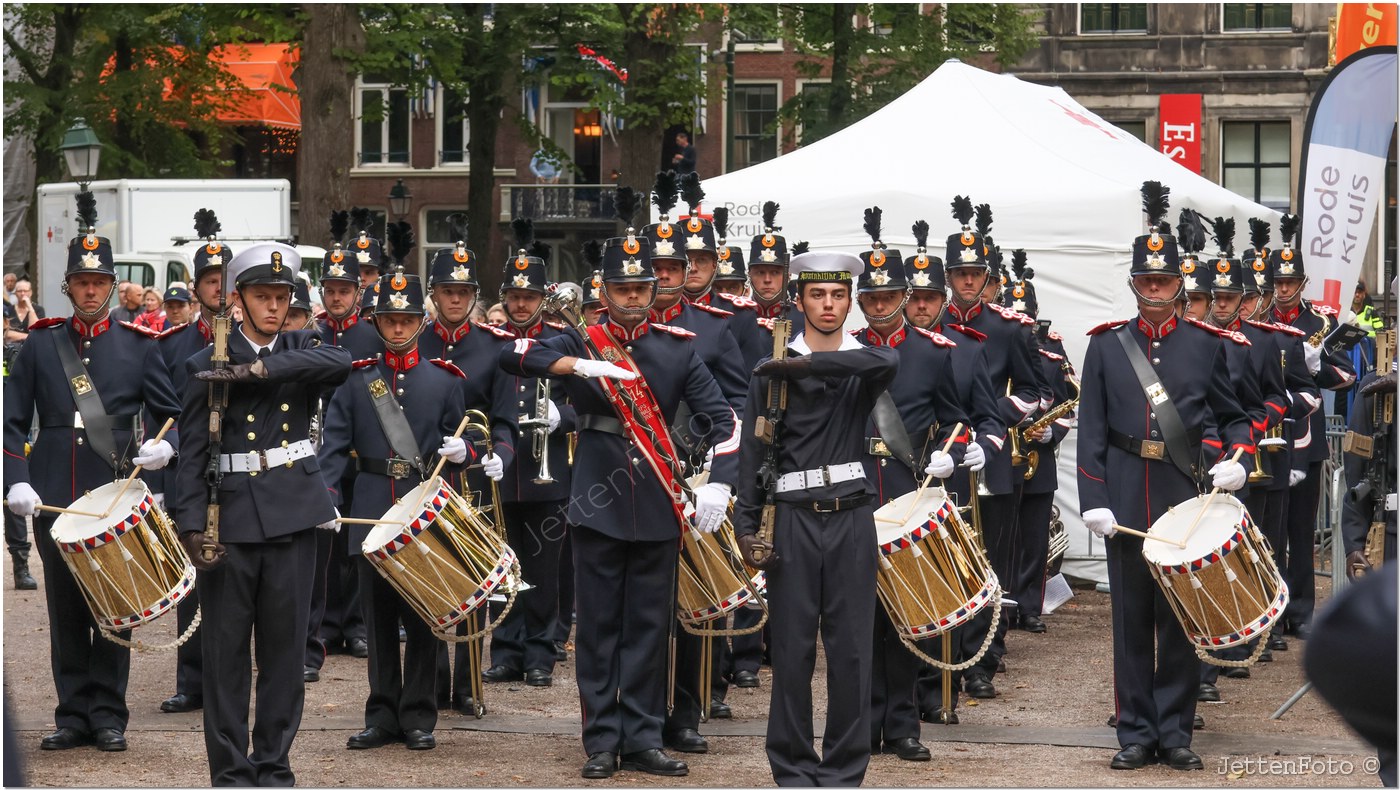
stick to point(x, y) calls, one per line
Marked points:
point(396, 468)
point(1147, 448)
point(121, 422)
point(601, 423)
point(834, 505)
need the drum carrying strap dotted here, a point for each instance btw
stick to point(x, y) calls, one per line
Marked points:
point(891, 429)
point(96, 421)
point(391, 419)
point(1173, 430)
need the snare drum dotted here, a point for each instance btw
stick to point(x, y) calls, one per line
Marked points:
point(441, 555)
point(713, 581)
point(130, 565)
point(933, 575)
point(1223, 585)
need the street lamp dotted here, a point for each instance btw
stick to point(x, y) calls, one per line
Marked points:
point(81, 151)
point(399, 200)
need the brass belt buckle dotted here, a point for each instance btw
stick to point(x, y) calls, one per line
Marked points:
point(876, 446)
point(1154, 451)
point(398, 468)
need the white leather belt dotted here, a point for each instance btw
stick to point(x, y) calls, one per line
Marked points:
point(1391, 501)
point(821, 476)
point(267, 459)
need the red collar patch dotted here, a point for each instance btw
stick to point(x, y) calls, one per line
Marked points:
point(401, 362)
point(1156, 332)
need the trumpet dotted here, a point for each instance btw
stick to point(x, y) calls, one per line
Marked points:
point(1273, 438)
point(539, 426)
point(477, 419)
point(1055, 413)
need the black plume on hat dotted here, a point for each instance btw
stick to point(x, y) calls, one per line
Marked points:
point(361, 219)
point(1156, 202)
point(340, 222)
point(625, 201)
point(1018, 266)
point(524, 231)
point(962, 211)
point(401, 240)
point(872, 224)
point(770, 215)
point(1190, 233)
point(87, 211)
point(593, 254)
point(665, 190)
point(691, 191)
point(801, 247)
point(921, 233)
point(721, 222)
point(1288, 227)
point(1259, 233)
point(457, 221)
point(540, 250)
point(984, 221)
point(1222, 229)
point(206, 223)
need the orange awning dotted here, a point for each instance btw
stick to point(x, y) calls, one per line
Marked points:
point(268, 96)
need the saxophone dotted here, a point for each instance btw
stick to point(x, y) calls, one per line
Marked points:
point(1055, 413)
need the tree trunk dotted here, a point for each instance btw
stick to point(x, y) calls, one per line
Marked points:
point(326, 85)
point(487, 52)
point(640, 143)
point(842, 37)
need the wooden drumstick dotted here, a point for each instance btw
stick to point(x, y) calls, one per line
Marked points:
point(1233, 459)
point(367, 521)
point(169, 423)
point(62, 510)
point(442, 459)
point(953, 437)
point(1148, 535)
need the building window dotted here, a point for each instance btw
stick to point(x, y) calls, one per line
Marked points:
point(1137, 129)
point(1257, 161)
point(762, 21)
point(383, 129)
point(1113, 17)
point(1254, 17)
point(755, 132)
point(812, 111)
point(453, 132)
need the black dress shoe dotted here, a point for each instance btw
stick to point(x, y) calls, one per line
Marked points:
point(1302, 631)
point(1267, 656)
point(1198, 723)
point(419, 740)
point(358, 647)
point(24, 580)
point(1132, 757)
point(1237, 673)
point(599, 766)
point(371, 738)
point(109, 739)
point(745, 679)
point(1033, 624)
point(935, 716)
point(539, 677)
point(682, 740)
point(561, 653)
point(980, 688)
point(182, 703)
point(1112, 721)
point(719, 709)
point(1208, 693)
point(64, 738)
point(502, 674)
point(465, 706)
point(1182, 759)
point(310, 674)
point(907, 749)
point(654, 761)
point(1277, 642)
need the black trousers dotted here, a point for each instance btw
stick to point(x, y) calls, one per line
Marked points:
point(401, 696)
point(823, 585)
point(342, 620)
point(565, 624)
point(893, 711)
point(999, 515)
point(1032, 552)
point(687, 695)
point(1300, 523)
point(525, 639)
point(16, 535)
point(625, 593)
point(737, 653)
point(1155, 670)
point(325, 556)
point(257, 599)
point(89, 671)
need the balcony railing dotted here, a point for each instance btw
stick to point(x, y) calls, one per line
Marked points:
point(558, 202)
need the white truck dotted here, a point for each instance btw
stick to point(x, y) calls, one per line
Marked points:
point(146, 220)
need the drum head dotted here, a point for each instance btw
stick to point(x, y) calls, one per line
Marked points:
point(1217, 526)
point(71, 528)
point(906, 513)
point(401, 515)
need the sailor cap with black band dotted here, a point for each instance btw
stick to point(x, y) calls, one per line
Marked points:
point(924, 271)
point(1191, 239)
point(883, 268)
point(269, 263)
point(1288, 262)
point(1224, 271)
point(1155, 252)
point(824, 266)
point(455, 265)
point(212, 254)
point(336, 265)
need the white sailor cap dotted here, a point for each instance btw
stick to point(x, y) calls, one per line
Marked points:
point(263, 264)
point(826, 266)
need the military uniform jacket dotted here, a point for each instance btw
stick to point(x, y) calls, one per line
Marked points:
point(1190, 361)
point(475, 349)
point(282, 500)
point(429, 394)
point(519, 484)
point(714, 343)
point(742, 319)
point(1310, 437)
point(357, 336)
point(177, 345)
point(1286, 349)
point(766, 317)
point(1053, 369)
point(126, 369)
point(614, 491)
point(1245, 372)
point(1357, 516)
point(926, 394)
point(825, 424)
point(978, 402)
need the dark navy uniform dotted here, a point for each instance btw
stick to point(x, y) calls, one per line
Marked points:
point(1357, 517)
point(1038, 496)
point(128, 373)
point(742, 314)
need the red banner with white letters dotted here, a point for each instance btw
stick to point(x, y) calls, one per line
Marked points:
point(1179, 129)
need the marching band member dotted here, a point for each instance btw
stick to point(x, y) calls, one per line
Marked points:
point(822, 556)
point(266, 549)
point(768, 271)
point(625, 557)
point(731, 275)
point(897, 453)
point(702, 254)
point(397, 412)
point(87, 378)
point(1130, 472)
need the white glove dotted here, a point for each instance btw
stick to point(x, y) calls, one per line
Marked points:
point(1229, 475)
point(154, 455)
point(159, 500)
point(553, 417)
point(975, 458)
point(23, 500)
point(594, 368)
point(454, 449)
point(333, 524)
point(1100, 521)
point(1295, 476)
point(711, 506)
point(1047, 435)
point(1312, 355)
point(940, 465)
point(493, 466)
point(709, 459)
